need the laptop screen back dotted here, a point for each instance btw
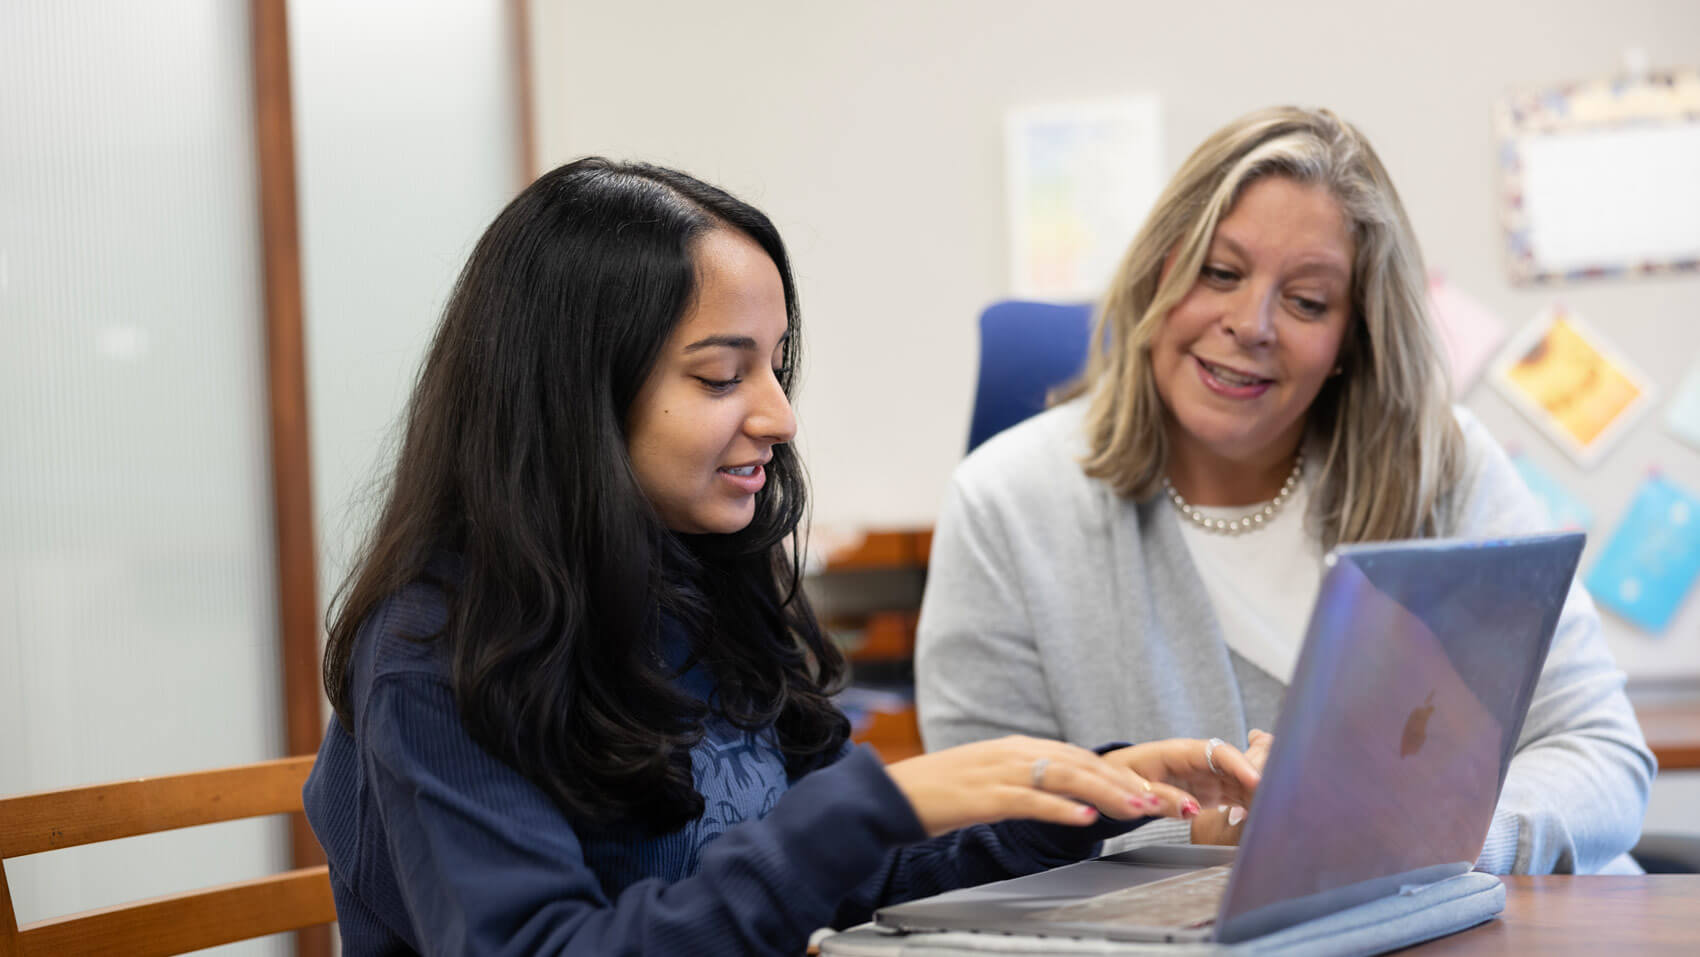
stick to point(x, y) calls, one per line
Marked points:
point(1417, 670)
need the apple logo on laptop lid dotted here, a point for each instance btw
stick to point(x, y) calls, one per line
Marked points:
point(1416, 728)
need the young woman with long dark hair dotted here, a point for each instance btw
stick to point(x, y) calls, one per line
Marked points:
point(582, 705)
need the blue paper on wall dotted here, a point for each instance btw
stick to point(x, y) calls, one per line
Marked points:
point(1653, 558)
point(1566, 510)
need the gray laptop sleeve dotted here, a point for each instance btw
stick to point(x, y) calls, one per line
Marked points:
point(1389, 923)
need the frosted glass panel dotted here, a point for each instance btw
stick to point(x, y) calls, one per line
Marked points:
point(405, 150)
point(137, 615)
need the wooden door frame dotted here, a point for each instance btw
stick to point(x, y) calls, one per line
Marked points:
point(286, 394)
point(286, 382)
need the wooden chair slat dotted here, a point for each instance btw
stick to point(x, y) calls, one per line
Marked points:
point(32, 823)
point(188, 921)
point(176, 923)
point(8, 920)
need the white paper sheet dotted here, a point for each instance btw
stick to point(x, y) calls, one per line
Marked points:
point(1610, 199)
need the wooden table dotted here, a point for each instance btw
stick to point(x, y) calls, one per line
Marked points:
point(1617, 916)
point(1647, 916)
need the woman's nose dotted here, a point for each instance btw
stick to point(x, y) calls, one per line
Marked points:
point(1251, 319)
point(771, 418)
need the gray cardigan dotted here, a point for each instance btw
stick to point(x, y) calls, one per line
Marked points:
point(1058, 609)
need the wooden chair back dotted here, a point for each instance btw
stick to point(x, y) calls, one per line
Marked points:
point(177, 923)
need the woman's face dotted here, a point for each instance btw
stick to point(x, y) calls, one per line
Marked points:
point(1238, 361)
point(704, 424)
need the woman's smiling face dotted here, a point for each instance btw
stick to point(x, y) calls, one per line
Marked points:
point(704, 424)
point(1239, 360)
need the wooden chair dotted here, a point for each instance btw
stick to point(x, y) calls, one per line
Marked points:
point(174, 924)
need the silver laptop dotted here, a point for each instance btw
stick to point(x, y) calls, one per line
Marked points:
point(1389, 755)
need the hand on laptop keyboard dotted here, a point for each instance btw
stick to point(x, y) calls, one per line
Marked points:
point(1022, 777)
point(1213, 775)
point(1222, 824)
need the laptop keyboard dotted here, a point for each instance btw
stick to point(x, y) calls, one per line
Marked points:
point(1187, 900)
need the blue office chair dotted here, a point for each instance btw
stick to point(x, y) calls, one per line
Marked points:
point(1026, 349)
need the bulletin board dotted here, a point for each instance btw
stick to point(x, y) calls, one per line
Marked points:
point(1600, 177)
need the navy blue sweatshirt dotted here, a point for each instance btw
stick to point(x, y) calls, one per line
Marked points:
point(437, 847)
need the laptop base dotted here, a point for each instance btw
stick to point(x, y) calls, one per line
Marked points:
point(1381, 925)
point(1023, 901)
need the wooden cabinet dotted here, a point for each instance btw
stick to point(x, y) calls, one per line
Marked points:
point(868, 594)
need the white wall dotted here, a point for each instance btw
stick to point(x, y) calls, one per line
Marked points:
point(871, 132)
point(138, 627)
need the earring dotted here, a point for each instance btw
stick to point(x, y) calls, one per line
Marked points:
point(1338, 370)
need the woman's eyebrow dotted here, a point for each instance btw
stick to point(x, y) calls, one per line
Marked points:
point(1316, 264)
point(729, 342)
point(1233, 247)
point(1324, 267)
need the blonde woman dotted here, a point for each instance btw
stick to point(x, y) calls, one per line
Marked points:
point(1139, 561)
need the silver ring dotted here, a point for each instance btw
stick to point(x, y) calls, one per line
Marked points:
point(1038, 776)
point(1210, 754)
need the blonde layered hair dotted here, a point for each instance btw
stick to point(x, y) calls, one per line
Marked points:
point(1393, 449)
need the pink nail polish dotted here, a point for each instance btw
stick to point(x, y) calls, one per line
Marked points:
point(1190, 809)
point(1088, 814)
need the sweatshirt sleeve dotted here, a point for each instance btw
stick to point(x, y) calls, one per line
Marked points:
point(1576, 790)
point(487, 864)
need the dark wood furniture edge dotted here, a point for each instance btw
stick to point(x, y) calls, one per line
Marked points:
point(286, 387)
point(519, 42)
point(898, 548)
point(1672, 728)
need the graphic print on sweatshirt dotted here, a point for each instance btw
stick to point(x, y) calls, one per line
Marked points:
point(741, 775)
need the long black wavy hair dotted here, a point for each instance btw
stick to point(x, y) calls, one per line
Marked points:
point(513, 460)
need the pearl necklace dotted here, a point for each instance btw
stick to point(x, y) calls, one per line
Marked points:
point(1245, 523)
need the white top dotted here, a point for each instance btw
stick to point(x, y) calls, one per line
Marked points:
point(1262, 596)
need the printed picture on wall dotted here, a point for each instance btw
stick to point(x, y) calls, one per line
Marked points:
point(1598, 177)
point(1582, 394)
point(1682, 416)
point(1653, 558)
point(1565, 509)
point(1080, 179)
point(1469, 331)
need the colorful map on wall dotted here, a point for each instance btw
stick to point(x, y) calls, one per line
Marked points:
point(1081, 179)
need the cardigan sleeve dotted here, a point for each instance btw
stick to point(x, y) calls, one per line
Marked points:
point(1576, 790)
point(486, 863)
point(978, 670)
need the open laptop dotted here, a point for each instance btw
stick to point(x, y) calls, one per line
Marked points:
point(1389, 755)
